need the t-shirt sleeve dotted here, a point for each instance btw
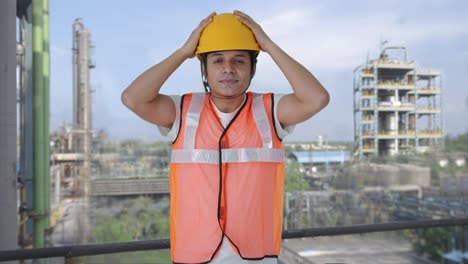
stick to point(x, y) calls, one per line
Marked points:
point(281, 131)
point(172, 132)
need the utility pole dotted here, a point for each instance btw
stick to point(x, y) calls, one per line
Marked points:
point(8, 216)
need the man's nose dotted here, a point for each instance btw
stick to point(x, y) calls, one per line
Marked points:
point(228, 67)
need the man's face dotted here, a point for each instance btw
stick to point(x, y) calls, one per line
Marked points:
point(229, 72)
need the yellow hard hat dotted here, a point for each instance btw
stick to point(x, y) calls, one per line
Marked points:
point(226, 32)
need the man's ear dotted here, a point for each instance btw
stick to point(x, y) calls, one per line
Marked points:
point(203, 75)
point(202, 69)
point(254, 68)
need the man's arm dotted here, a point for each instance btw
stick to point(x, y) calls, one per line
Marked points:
point(309, 96)
point(142, 95)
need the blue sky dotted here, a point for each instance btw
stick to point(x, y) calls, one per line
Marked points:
point(330, 38)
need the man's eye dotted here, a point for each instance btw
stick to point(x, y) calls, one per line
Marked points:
point(240, 61)
point(218, 61)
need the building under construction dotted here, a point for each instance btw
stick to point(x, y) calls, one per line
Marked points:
point(397, 106)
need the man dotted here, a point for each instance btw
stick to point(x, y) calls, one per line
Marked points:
point(227, 162)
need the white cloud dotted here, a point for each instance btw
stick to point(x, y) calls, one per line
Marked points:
point(282, 24)
point(339, 42)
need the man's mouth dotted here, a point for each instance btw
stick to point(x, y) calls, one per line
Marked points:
point(228, 81)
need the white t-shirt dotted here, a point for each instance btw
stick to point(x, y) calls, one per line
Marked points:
point(171, 133)
point(226, 253)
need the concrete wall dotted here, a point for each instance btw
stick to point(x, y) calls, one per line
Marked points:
point(390, 174)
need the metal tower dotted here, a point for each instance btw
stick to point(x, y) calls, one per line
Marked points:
point(82, 102)
point(82, 115)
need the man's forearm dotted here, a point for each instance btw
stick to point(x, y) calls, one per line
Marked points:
point(306, 87)
point(145, 88)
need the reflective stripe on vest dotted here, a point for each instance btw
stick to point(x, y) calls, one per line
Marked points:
point(228, 155)
point(193, 117)
point(191, 155)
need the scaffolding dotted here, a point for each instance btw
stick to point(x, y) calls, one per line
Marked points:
point(397, 107)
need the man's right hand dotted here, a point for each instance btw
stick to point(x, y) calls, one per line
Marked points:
point(142, 95)
point(190, 45)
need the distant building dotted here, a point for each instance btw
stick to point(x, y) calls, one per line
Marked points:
point(397, 106)
point(320, 161)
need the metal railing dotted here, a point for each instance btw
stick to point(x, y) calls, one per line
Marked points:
point(99, 249)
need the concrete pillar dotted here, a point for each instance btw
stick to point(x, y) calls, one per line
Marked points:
point(8, 192)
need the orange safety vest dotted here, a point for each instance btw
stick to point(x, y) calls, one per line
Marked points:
point(226, 181)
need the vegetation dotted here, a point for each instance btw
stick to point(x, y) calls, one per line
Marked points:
point(294, 178)
point(457, 143)
point(433, 242)
point(133, 220)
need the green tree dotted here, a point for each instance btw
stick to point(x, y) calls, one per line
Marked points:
point(432, 241)
point(457, 143)
point(294, 178)
point(133, 221)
